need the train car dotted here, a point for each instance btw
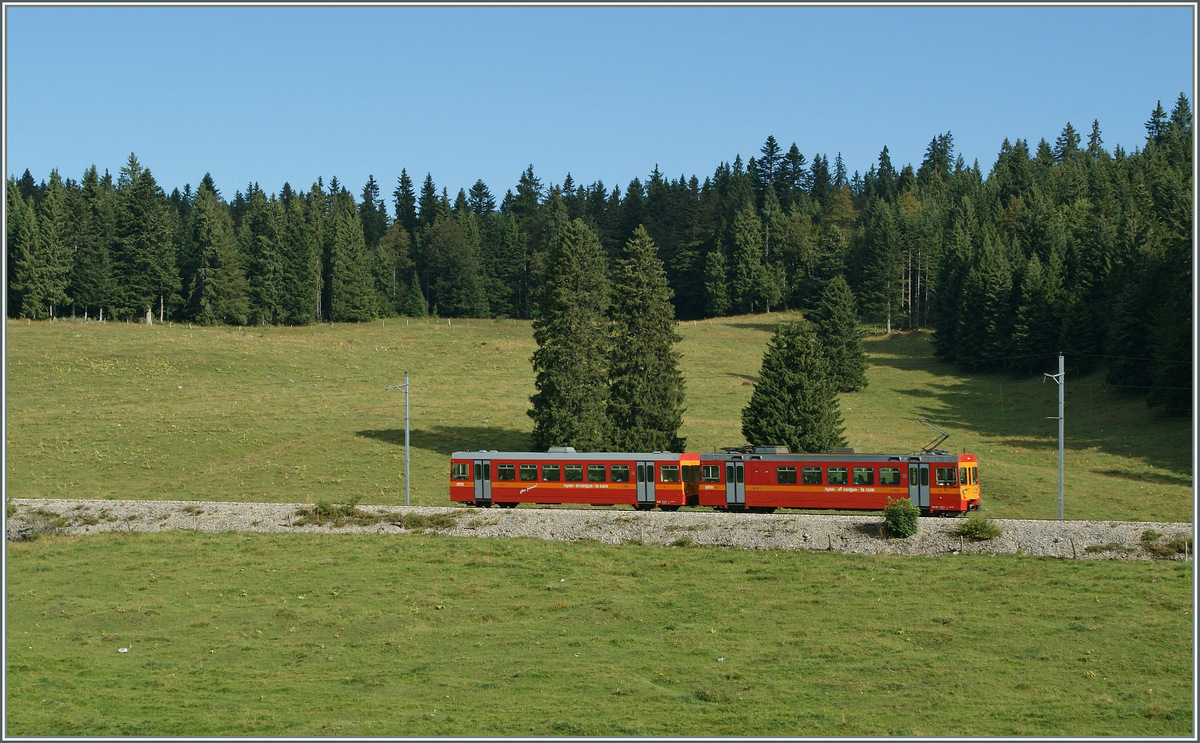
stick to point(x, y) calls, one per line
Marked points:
point(767, 478)
point(562, 475)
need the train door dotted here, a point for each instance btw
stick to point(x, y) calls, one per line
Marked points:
point(645, 484)
point(918, 485)
point(735, 483)
point(483, 482)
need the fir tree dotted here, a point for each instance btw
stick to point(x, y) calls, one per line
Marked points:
point(571, 331)
point(835, 321)
point(352, 295)
point(716, 285)
point(406, 202)
point(26, 275)
point(794, 402)
point(414, 304)
point(645, 405)
point(145, 255)
point(219, 290)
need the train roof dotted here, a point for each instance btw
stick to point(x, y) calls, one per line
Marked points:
point(537, 456)
point(836, 457)
point(572, 455)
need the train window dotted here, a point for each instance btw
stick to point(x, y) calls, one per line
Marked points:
point(596, 473)
point(506, 472)
point(619, 472)
point(864, 475)
point(573, 472)
point(691, 473)
point(964, 477)
point(812, 476)
point(837, 476)
point(460, 471)
point(549, 473)
point(529, 472)
point(785, 475)
point(668, 472)
point(945, 476)
point(710, 473)
point(889, 475)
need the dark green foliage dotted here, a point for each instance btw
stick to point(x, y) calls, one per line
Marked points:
point(645, 405)
point(900, 518)
point(835, 320)
point(452, 267)
point(794, 402)
point(571, 330)
point(219, 292)
point(716, 287)
point(27, 270)
point(352, 294)
point(144, 254)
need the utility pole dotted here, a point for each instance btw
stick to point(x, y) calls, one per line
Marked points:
point(1061, 379)
point(405, 388)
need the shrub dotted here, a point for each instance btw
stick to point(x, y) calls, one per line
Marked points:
point(978, 528)
point(900, 518)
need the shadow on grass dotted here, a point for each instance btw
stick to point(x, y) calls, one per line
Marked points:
point(1016, 410)
point(449, 439)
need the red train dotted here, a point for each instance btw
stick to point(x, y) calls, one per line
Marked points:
point(757, 480)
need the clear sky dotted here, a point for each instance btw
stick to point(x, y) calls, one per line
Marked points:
point(287, 94)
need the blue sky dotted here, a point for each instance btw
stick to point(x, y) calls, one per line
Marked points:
point(287, 94)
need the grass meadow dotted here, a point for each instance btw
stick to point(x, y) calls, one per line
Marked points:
point(422, 634)
point(426, 635)
point(127, 411)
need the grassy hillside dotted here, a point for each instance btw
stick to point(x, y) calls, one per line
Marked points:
point(314, 635)
point(300, 414)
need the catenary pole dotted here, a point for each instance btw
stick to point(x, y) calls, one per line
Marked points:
point(406, 447)
point(1061, 379)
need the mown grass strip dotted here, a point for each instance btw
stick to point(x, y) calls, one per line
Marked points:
point(422, 634)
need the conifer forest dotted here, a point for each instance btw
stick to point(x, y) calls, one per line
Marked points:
point(1058, 246)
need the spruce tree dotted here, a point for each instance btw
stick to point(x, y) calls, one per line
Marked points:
point(145, 257)
point(352, 292)
point(835, 321)
point(794, 402)
point(645, 405)
point(716, 285)
point(219, 290)
point(92, 284)
point(571, 330)
point(26, 272)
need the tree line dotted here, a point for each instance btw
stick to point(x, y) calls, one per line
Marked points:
point(1064, 246)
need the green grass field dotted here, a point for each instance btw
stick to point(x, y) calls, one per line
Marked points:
point(420, 634)
point(174, 412)
point(250, 634)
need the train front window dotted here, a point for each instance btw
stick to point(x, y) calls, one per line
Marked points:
point(945, 476)
point(550, 473)
point(619, 472)
point(460, 471)
point(710, 473)
point(596, 473)
point(668, 472)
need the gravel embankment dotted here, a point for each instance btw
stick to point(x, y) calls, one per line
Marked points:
point(786, 531)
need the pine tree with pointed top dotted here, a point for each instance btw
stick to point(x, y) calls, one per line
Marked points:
point(794, 402)
point(835, 320)
point(570, 407)
point(645, 404)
